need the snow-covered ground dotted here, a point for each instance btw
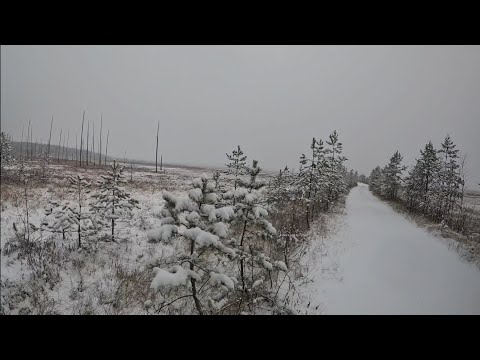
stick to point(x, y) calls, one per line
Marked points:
point(378, 262)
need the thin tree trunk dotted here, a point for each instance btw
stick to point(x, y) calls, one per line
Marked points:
point(100, 146)
point(79, 213)
point(93, 143)
point(21, 141)
point(76, 150)
point(156, 151)
point(49, 141)
point(81, 139)
point(106, 149)
point(28, 140)
point(113, 208)
point(66, 150)
point(26, 209)
point(242, 260)
point(31, 143)
point(198, 305)
point(58, 150)
point(88, 135)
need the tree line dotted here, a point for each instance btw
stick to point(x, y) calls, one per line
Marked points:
point(433, 187)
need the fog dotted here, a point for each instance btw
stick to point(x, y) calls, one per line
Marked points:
point(270, 99)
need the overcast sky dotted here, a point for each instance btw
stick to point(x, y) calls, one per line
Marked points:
point(269, 99)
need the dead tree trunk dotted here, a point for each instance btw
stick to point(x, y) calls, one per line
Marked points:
point(28, 140)
point(88, 135)
point(76, 150)
point(93, 143)
point(66, 149)
point(49, 141)
point(58, 151)
point(21, 141)
point(106, 148)
point(100, 146)
point(156, 152)
point(81, 139)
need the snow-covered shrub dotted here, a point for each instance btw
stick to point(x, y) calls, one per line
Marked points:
point(6, 153)
point(72, 216)
point(199, 225)
point(111, 202)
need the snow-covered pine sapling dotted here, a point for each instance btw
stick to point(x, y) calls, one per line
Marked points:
point(59, 218)
point(198, 223)
point(236, 166)
point(336, 182)
point(216, 178)
point(310, 176)
point(112, 202)
point(77, 210)
point(251, 217)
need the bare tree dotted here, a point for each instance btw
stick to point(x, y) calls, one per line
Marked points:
point(93, 143)
point(81, 139)
point(100, 146)
point(21, 141)
point(156, 152)
point(65, 155)
point(76, 150)
point(58, 150)
point(106, 148)
point(31, 141)
point(88, 135)
point(28, 140)
point(49, 139)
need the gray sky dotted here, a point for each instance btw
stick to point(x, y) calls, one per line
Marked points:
point(269, 99)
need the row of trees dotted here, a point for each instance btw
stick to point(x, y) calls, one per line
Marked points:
point(88, 212)
point(235, 235)
point(434, 186)
point(83, 154)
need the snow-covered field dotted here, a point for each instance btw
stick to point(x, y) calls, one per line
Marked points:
point(88, 279)
point(379, 262)
point(365, 259)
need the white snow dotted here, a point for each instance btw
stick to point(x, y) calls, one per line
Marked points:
point(162, 233)
point(221, 279)
point(177, 276)
point(201, 238)
point(388, 265)
point(281, 265)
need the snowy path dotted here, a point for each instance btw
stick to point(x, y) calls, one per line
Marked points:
point(388, 265)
